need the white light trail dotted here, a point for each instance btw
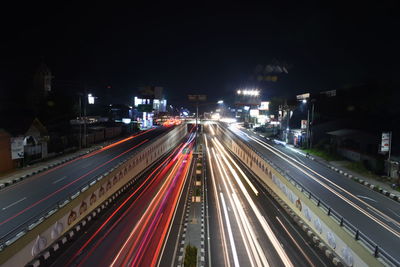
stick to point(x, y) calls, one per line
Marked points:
point(267, 229)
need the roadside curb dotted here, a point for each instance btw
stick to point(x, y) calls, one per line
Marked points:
point(45, 168)
point(53, 165)
point(374, 187)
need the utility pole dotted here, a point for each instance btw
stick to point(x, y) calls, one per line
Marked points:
point(390, 150)
point(84, 117)
point(312, 122)
point(308, 128)
point(80, 118)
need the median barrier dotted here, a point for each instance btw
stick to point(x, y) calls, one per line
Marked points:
point(35, 236)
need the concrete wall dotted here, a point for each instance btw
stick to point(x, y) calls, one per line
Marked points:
point(66, 214)
point(351, 251)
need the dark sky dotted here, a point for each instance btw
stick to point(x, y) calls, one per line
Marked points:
point(211, 49)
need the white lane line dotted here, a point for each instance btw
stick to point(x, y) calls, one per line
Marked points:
point(14, 203)
point(58, 180)
point(230, 234)
point(393, 212)
point(364, 197)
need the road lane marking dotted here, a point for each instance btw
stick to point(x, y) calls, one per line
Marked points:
point(295, 242)
point(392, 211)
point(14, 203)
point(334, 191)
point(58, 180)
point(364, 197)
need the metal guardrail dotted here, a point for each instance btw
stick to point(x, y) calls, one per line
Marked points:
point(31, 223)
point(376, 250)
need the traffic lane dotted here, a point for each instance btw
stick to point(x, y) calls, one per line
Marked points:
point(136, 240)
point(120, 224)
point(292, 237)
point(45, 184)
point(362, 194)
point(169, 254)
point(349, 195)
point(388, 206)
point(251, 241)
point(373, 229)
point(217, 258)
point(153, 249)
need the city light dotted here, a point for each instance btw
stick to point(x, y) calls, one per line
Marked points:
point(304, 101)
point(90, 99)
point(220, 101)
point(248, 92)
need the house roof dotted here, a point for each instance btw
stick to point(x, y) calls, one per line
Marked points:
point(19, 125)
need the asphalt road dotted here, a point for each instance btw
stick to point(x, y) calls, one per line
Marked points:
point(373, 214)
point(247, 227)
point(26, 201)
point(135, 230)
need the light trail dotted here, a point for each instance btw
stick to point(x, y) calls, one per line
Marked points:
point(69, 184)
point(244, 226)
point(228, 224)
point(350, 202)
point(246, 242)
point(147, 216)
point(267, 229)
point(145, 241)
point(159, 174)
point(222, 229)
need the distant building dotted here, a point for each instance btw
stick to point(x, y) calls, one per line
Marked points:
point(42, 86)
point(149, 105)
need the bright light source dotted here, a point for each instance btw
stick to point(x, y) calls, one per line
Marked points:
point(126, 120)
point(249, 92)
point(304, 101)
point(90, 99)
point(254, 112)
point(246, 108)
point(215, 116)
point(220, 101)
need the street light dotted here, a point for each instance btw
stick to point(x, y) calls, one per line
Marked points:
point(245, 92)
point(220, 101)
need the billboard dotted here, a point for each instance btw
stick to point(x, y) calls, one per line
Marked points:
point(385, 144)
point(197, 97)
point(303, 96)
point(264, 105)
point(17, 148)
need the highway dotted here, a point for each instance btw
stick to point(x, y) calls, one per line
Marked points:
point(134, 232)
point(247, 227)
point(28, 200)
point(374, 215)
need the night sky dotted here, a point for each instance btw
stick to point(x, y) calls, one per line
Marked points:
point(208, 49)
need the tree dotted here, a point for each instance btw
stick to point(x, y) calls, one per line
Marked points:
point(190, 256)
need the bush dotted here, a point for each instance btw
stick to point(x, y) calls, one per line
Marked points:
point(190, 256)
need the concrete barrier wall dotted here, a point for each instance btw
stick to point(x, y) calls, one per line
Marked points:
point(323, 224)
point(63, 219)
